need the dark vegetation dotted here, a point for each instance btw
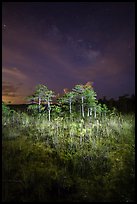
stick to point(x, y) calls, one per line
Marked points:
point(78, 151)
point(124, 104)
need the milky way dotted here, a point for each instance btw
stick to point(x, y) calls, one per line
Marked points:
point(64, 44)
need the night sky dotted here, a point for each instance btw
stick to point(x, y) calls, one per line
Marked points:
point(64, 44)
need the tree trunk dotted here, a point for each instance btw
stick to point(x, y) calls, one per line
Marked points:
point(82, 98)
point(95, 115)
point(88, 112)
point(39, 103)
point(70, 110)
point(49, 109)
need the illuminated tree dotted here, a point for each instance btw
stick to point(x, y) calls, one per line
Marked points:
point(68, 97)
point(90, 97)
point(48, 95)
point(79, 93)
point(87, 95)
point(42, 94)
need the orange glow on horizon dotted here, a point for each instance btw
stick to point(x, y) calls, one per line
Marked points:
point(13, 100)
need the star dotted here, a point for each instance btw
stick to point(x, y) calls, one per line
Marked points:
point(4, 26)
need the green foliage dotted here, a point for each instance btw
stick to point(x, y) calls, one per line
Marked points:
point(82, 97)
point(90, 96)
point(68, 159)
point(43, 92)
point(80, 101)
point(33, 108)
point(56, 110)
point(74, 159)
point(5, 109)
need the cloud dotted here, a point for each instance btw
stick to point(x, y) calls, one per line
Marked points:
point(14, 85)
point(14, 100)
point(11, 92)
point(14, 72)
point(12, 55)
point(40, 55)
point(8, 89)
point(92, 54)
point(58, 60)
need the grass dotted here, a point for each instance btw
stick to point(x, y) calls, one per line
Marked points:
point(66, 159)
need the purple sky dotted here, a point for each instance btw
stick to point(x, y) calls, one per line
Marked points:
point(64, 44)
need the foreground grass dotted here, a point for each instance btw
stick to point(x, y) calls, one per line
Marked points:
point(68, 160)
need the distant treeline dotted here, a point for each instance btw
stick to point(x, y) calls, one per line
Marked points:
point(124, 104)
